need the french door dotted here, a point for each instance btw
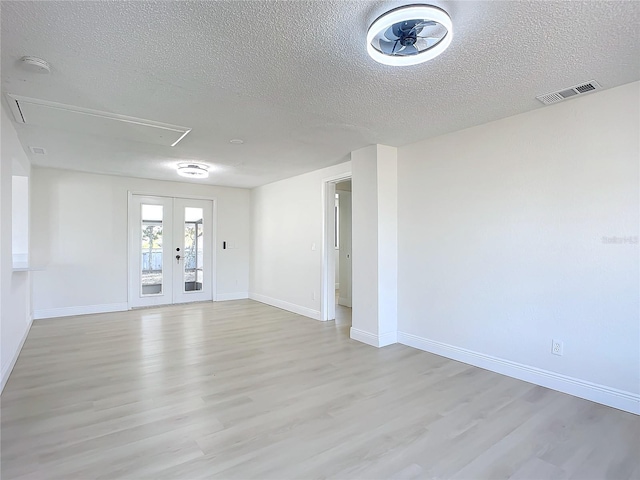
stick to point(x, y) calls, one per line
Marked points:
point(170, 250)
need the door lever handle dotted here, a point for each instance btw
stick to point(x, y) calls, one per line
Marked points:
point(178, 258)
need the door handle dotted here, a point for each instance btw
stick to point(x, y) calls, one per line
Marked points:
point(178, 258)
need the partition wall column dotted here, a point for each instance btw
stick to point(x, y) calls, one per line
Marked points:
point(375, 245)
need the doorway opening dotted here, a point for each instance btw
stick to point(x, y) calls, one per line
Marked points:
point(170, 250)
point(337, 265)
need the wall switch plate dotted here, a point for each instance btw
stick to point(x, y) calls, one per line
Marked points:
point(557, 347)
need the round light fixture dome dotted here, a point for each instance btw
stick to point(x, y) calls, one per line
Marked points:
point(36, 64)
point(409, 35)
point(193, 170)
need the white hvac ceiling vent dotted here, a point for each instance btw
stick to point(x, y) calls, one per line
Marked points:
point(560, 95)
point(38, 150)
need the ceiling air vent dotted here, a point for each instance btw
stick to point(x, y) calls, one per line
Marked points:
point(38, 150)
point(560, 95)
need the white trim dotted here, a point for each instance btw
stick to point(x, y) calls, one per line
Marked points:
point(6, 372)
point(372, 339)
point(130, 249)
point(328, 246)
point(627, 401)
point(81, 310)
point(337, 286)
point(291, 307)
point(388, 338)
point(223, 297)
point(328, 274)
point(364, 337)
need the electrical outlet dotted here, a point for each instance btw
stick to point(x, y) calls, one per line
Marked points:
point(556, 347)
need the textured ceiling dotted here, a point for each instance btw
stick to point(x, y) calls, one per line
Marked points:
point(293, 79)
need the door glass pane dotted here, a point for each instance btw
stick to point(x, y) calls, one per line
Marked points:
point(193, 249)
point(151, 249)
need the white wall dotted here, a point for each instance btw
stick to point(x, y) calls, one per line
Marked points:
point(337, 250)
point(20, 217)
point(364, 238)
point(345, 249)
point(387, 240)
point(375, 245)
point(15, 289)
point(501, 248)
point(287, 224)
point(79, 236)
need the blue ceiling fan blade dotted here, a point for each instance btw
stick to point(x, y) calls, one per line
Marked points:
point(389, 47)
point(409, 50)
point(389, 35)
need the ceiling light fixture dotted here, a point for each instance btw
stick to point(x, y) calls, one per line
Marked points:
point(409, 35)
point(193, 170)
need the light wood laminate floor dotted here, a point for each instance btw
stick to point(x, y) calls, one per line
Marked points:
point(243, 390)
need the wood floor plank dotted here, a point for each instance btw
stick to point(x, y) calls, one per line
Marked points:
point(243, 390)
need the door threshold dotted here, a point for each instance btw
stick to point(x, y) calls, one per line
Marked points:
point(147, 307)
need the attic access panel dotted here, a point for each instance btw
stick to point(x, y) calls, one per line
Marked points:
point(42, 113)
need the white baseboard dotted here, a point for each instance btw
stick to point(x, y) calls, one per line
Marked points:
point(387, 339)
point(82, 310)
point(6, 371)
point(364, 337)
point(627, 401)
point(345, 302)
point(291, 307)
point(373, 339)
point(223, 297)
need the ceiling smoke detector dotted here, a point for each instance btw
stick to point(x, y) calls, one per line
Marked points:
point(409, 35)
point(193, 170)
point(36, 64)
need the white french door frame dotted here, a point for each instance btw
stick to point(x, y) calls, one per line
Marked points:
point(131, 251)
point(328, 287)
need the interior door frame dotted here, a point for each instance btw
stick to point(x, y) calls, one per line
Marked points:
point(327, 287)
point(214, 242)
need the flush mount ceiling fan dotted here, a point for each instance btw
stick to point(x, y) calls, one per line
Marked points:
point(409, 35)
point(407, 38)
